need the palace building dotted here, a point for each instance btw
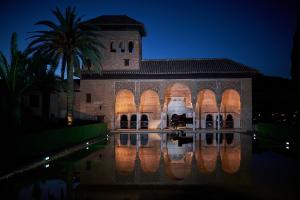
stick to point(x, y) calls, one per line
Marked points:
point(136, 93)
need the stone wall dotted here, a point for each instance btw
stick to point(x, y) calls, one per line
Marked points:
point(103, 94)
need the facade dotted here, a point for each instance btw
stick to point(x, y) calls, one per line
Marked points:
point(134, 93)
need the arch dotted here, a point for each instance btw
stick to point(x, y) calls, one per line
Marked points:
point(112, 46)
point(206, 104)
point(231, 155)
point(178, 101)
point(144, 121)
point(124, 105)
point(124, 122)
point(133, 121)
point(209, 121)
point(231, 104)
point(229, 121)
point(125, 159)
point(150, 105)
point(130, 47)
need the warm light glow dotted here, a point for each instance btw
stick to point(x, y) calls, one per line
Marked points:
point(125, 102)
point(150, 104)
point(70, 120)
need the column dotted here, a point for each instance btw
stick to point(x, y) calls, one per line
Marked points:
point(137, 117)
point(194, 120)
point(161, 120)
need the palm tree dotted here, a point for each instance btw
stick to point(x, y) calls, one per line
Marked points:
point(70, 43)
point(16, 76)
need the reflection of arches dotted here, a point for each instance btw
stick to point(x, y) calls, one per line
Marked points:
point(206, 103)
point(206, 156)
point(231, 153)
point(149, 153)
point(229, 121)
point(133, 122)
point(124, 122)
point(231, 104)
point(125, 159)
point(150, 104)
point(123, 139)
point(144, 122)
point(209, 121)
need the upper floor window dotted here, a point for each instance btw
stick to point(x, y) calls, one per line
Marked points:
point(121, 47)
point(88, 97)
point(126, 62)
point(130, 47)
point(112, 46)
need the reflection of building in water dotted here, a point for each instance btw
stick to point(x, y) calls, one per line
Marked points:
point(125, 154)
point(206, 153)
point(231, 153)
point(147, 152)
point(178, 159)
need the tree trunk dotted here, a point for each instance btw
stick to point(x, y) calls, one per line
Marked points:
point(70, 91)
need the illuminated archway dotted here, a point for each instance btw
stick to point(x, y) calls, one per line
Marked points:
point(124, 105)
point(206, 105)
point(178, 101)
point(231, 105)
point(150, 106)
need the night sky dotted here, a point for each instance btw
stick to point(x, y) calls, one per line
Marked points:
point(258, 33)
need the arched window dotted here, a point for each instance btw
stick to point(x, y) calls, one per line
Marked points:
point(112, 46)
point(121, 47)
point(209, 121)
point(133, 122)
point(229, 121)
point(144, 122)
point(124, 122)
point(130, 47)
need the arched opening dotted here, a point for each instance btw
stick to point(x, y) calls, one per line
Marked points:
point(206, 104)
point(112, 46)
point(131, 47)
point(124, 105)
point(133, 122)
point(124, 122)
point(209, 121)
point(178, 101)
point(121, 47)
point(144, 122)
point(150, 105)
point(231, 104)
point(229, 121)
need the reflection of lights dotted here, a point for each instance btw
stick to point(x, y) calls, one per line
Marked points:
point(70, 120)
point(87, 148)
point(287, 145)
point(47, 165)
point(254, 138)
point(87, 143)
point(47, 158)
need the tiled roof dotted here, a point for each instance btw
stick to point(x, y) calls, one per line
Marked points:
point(181, 68)
point(118, 22)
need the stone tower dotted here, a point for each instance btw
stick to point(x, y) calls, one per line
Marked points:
point(122, 37)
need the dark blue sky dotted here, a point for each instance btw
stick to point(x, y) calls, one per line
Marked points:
point(257, 33)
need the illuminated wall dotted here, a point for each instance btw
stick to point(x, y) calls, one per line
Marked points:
point(150, 106)
point(231, 104)
point(206, 104)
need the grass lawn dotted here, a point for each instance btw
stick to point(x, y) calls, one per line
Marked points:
point(279, 132)
point(23, 149)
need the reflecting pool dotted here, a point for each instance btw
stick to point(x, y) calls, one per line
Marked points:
point(173, 165)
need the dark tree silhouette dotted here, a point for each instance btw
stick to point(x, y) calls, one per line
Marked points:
point(295, 70)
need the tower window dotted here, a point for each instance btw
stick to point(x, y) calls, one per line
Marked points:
point(126, 62)
point(112, 47)
point(130, 47)
point(88, 97)
point(121, 47)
